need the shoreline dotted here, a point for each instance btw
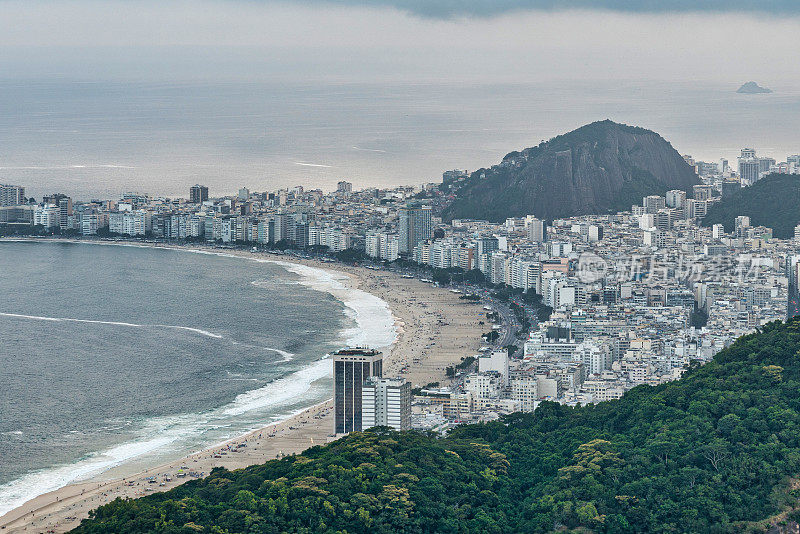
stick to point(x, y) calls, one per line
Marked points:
point(427, 339)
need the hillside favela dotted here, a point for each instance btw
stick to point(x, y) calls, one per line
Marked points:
point(243, 289)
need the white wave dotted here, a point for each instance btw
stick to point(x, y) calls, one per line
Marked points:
point(161, 432)
point(112, 323)
point(287, 356)
point(280, 391)
point(374, 327)
point(374, 322)
point(304, 164)
point(17, 492)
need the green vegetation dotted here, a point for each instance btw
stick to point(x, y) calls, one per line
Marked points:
point(491, 336)
point(24, 230)
point(773, 201)
point(522, 317)
point(699, 318)
point(713, 452)
point(351, 256)
point(533, 299)
point(465, 363)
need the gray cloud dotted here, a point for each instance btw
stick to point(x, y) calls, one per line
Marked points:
point(487, 8)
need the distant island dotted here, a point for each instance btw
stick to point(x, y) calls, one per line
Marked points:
point(752, 88)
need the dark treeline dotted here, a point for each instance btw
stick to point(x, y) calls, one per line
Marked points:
point(713, 452)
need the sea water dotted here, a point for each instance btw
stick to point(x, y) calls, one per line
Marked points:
point(100, 139)
point(127, 356)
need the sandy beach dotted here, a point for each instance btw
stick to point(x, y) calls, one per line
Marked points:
point(435, 329)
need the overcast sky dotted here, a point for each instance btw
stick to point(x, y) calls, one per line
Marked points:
point(410, 40)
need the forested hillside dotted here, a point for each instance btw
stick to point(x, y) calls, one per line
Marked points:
point(773, 201)
point(713, 452)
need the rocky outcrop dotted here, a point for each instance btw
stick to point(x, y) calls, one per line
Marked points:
point(598, 168)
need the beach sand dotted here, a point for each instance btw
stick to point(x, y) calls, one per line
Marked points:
point(435, 329)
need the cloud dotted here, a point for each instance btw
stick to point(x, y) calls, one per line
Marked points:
point(488, 8)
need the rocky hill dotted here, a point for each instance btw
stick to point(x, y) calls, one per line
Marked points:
point(598, 168)
point(752, 88)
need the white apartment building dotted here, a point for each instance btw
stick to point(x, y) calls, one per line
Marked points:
point(382, 246)
point(386, 402)
point(596, 356)
point(526, 275)
point(487, 385)
point(525, 392)
point(496, 361)
point(12, 195)
point(129, 223)
point(48, 216)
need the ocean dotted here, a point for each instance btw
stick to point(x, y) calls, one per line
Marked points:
point(100, 139)
point(125, 357)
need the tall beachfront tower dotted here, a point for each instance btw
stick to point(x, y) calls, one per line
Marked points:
point(414, 225)
point(198, 194)
point(351, 368)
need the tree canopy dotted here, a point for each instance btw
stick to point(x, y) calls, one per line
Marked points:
point(773, 201)
point(715, 451)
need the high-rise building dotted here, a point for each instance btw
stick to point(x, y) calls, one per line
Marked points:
point(12, 195)
point(749, 167)
point(344, 187)
point(415, 226)
point(742, 221)
point(198, 194)
point(595, 233)
point(536, 230)
point(65, 211)
point(765, 164)
point(676, 198)
point(487, 245)
point(701, 192)
point(382, 246)
point(64, 204)
point(47, 216)
point(653, 203)
point(351, 368)
point(695, 209)
point(386, 402)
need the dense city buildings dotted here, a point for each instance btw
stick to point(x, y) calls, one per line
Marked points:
point(604, 302)
point(12, 195)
